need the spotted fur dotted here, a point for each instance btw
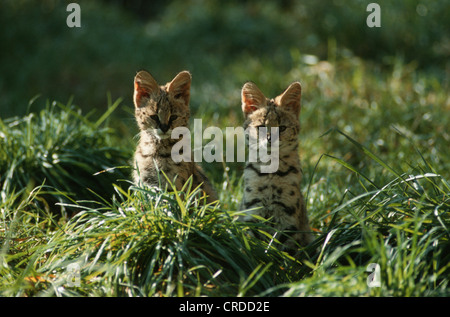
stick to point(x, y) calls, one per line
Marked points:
point(276, 196)
point(159, 110)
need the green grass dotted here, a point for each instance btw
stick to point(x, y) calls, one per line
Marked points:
point(374, 147)
point(147, 244)
point(61, 148)
point(142, 242)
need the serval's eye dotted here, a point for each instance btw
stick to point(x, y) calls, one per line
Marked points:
point(173, 118)
point(282, 128)
point(155, 118)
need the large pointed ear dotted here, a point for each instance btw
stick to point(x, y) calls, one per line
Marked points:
point(252, 98)
point(290, 99)
point(144, 86)
point(180, 86)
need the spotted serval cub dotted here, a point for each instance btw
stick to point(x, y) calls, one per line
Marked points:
point(277, 194)
point(158, 110)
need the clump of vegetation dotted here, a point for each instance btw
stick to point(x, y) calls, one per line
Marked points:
point(374, 148)
point(153, 243)
point(61, 148)
point(146, 242)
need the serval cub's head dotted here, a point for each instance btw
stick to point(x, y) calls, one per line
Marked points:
point(282, 112)
point(160, 109)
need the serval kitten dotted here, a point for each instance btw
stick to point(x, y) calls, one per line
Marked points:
point(159, 110)
point(276, 196)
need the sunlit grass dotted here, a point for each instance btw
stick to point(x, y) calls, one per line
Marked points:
point(374, 146)
point(147, 242)
point(152, 243)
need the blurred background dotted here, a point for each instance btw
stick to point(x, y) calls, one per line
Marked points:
point(376, 84)
point(223, 43)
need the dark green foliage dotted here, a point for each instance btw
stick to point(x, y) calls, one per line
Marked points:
point(61, 148)
point(44, 56)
